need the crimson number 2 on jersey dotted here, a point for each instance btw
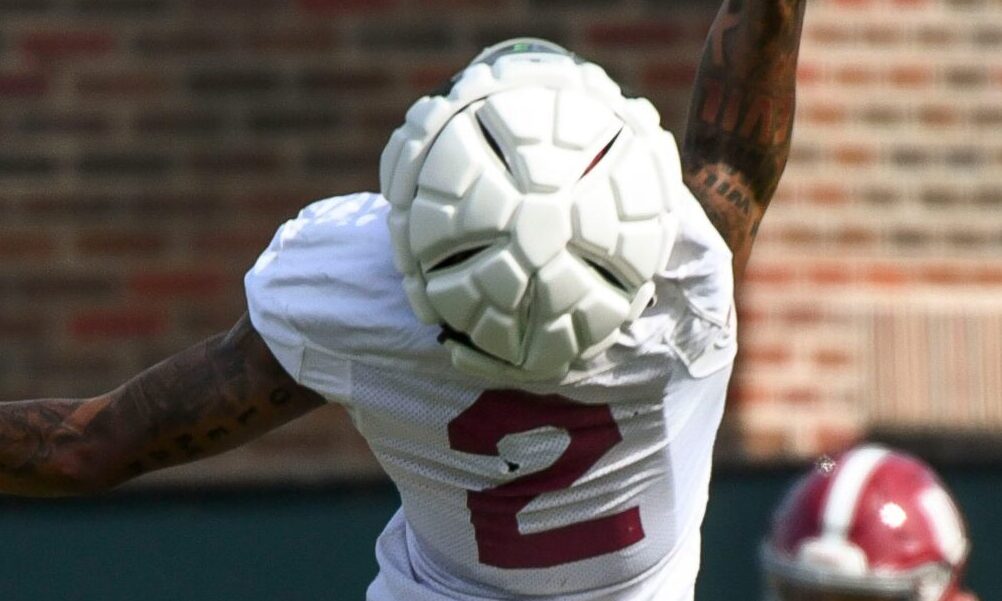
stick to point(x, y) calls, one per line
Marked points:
point(494, 511)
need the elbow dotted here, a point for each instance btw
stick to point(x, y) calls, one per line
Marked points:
point(82, 471)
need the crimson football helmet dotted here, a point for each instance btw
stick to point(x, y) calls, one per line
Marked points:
point(874, 524)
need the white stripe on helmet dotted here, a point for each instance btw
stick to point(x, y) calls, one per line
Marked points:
point(847, 487)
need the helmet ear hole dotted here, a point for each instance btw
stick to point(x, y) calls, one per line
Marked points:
point(457, 258)
point(493, 143)
point(601, 154)
point(607, 275)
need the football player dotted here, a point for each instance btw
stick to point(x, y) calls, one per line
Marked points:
point(532, 326)
point(877, 526)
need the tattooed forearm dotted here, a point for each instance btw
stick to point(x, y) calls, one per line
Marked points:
point(209, 398)
point(741, 117)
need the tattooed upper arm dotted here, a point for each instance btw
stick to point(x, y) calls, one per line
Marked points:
point(206, 400)
point(209, 398)
point(741, 116)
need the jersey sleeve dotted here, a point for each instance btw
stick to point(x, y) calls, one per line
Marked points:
point(295, 289)
point(700, 279)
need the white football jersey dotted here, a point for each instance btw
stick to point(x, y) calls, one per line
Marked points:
point(590, 488)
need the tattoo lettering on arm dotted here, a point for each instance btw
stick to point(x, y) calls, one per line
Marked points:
point(741, 116)
point(205, 400)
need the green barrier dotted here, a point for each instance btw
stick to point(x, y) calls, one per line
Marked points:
point(317, 544)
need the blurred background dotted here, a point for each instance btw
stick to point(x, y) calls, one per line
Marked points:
point(150, 148)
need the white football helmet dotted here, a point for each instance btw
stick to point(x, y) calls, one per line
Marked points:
point(531, 209)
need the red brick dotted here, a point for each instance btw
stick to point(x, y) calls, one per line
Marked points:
point(885, 274)
point(855, 75)
point(335, 6)
point(987, 116)
point(968, 238)
point(989, 275)
point(64, 123)
point(121, 323)
point(699, 25)
point(988, 35)
point(881, 196)
point(827, 194)
point(430, 77)
point(939, 115)
point(882, 35)
point(944, 196)
point(801, 396)
point(856, 237)
point(21, 326)
point(803, 316)
point(300, 41)
point(15, 246)
point(669, 75)
point(910, 76)
point(176, 283)
point(853, 156)
point(832, 358)
point(244, 7)
point(274, 203)
point(61, 44)
point(58, 284)
point(379, 120)
point(343, 80)
point(828, 33)
point(803, 154)
point(243, 242)
point(944, 274)
point(833, 440)
point(763, 443)
point(800, 235)
point(23, 85)
point(465, 5)
point(118, 243)
point(966, 76)
point(636, 34)
point(825, 114)
point(769, 275)
point(933, 35)
point(808, 74)
point(748, 315)
point(133, 84)
point(830, 275)
point(882, 115)
point(180, 42)
point(783, 195)
point(235, 162)
point(205, 320)
point(773, 355)
point(748, 394)
point(911, 236)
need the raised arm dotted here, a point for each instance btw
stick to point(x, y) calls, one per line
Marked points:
point(210, 398)
point(738, 135)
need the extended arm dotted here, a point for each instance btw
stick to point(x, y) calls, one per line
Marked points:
point(741, 117)
point(210, 398)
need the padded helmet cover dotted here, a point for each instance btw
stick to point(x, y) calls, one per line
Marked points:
point(531, 209)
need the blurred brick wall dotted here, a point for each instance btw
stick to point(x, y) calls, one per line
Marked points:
point(875, 292)
point(151, 147)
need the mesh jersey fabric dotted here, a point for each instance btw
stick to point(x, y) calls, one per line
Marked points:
point(330, 305)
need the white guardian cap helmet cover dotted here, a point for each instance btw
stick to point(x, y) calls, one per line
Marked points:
point(531, 209)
